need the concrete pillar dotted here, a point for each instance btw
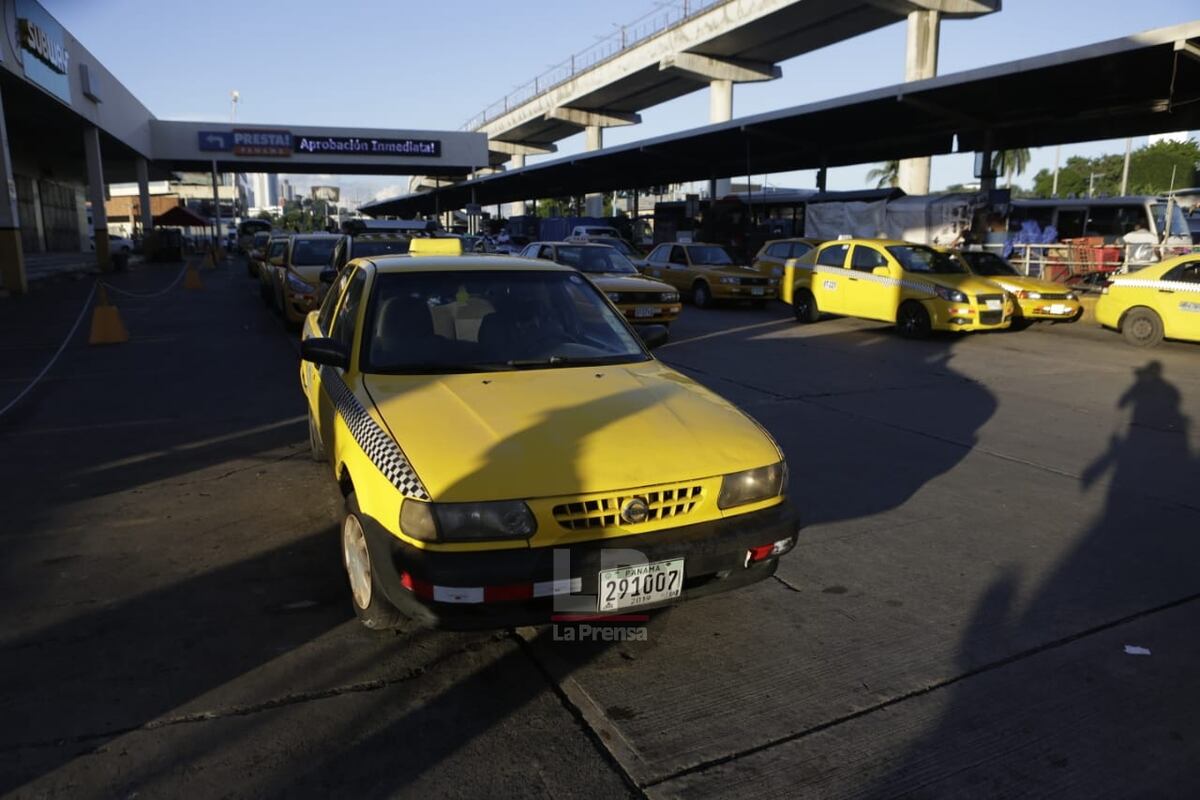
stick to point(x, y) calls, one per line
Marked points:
point(720, 109)
point(95, 175)
point(920, 62)
point(143, 182)
point(594, 203)
point(517, 161)
point(12, 260)
point(216, 179)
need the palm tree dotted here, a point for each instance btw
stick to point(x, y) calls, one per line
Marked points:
point(886, 174)
point(1015, 162)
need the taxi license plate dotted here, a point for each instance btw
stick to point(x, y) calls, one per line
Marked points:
point(994, 305)
point(1058, 308)
point(641, 312)
point(640, 585)
point(757, 290)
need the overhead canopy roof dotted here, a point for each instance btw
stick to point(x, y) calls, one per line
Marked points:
point(1137, 85)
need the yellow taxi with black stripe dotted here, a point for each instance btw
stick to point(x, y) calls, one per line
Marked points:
point(1036, 299)
point(916, 287)
point(1158, 302)
point(641, 299)
point(509, 449)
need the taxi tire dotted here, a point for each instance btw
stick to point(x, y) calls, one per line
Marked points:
point(1142, 327)
point(804, 306)
point(316, 447)
point(701, 295)
point(379, 614)
point(912, 321)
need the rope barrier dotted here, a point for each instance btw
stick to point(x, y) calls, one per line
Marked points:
point(148, 295)
point(82, 312)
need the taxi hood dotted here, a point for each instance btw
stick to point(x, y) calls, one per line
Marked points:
point(964, 282)
point(617, 282)
point(562, 431)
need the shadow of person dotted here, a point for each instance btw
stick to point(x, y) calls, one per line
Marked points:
point(1044, 695)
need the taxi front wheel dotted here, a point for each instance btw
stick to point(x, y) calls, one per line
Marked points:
point(701, 295)
point(912, 320)
point(370, 606)
point(804, 305)
point(1142, 328)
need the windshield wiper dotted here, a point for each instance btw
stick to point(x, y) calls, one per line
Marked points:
point(552, 361)
point(441, 369)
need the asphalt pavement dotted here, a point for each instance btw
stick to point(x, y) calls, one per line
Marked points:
point(996, 592)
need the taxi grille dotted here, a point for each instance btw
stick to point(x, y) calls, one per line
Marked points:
point(754, 281)
point(605, 512)
point(1054, 295)
point(640, 297)
point(990, 317)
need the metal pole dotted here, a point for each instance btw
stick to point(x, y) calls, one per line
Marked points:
point(1057, 154)
point(216, 208)
point(1125, 169)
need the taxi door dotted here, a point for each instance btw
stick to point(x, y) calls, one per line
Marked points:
point(873, 295)
point(830, 281)
point(676, 270)
point(317, 324)
point(656, 262)
point(1178, 301)
point(342, 327)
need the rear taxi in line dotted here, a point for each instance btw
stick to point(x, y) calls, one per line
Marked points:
point(707, 273)
point(1036, 299)
point(1158, 302)
point(642, 300)
point(914, 286)
point(772, 257)
point(509, 449)
point(294, 272)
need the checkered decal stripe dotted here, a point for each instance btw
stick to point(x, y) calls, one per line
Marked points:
point(1172, 286)
point(917, 286)
point(379, 446)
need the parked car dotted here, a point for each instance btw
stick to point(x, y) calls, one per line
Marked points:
point(1158, 302)
point(707, 273)
point(256, 252)
point(773, 255)
point(293, 269)
point(914, 286)
point(488, 420)
point(116, 244)
point(1036, 299)
point(642, 300)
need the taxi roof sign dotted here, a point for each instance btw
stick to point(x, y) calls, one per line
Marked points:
point(436, 246)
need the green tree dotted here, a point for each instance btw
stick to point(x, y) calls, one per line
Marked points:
point(1013, 162)
point(1150, 170)
point(886, 173)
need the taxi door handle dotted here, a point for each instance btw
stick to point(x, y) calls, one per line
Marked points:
point(1166, 291)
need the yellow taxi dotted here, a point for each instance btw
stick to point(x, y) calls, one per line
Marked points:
point(509, 449)
point(1155, 302)
point(918, 288)
point(707, 273)
point(772, 257)
point(293, 270)
point(642, 300)
point(1036, 299)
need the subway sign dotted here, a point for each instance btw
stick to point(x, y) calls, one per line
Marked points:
point(36, 40)
point(367, 146)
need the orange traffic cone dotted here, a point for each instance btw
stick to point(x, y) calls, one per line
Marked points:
point(107, 327)
point(191, 279)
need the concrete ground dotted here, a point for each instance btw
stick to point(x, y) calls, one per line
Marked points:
point(993, 521)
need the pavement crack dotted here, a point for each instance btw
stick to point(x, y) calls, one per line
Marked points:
point(578, 715)
point(790, 587)
point(921, 691)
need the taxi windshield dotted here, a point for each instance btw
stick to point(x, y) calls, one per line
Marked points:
point(709, 255)
point(313, 252)
point(486, 321)
point(918, 258)
point(595, 259)
point(988, 264)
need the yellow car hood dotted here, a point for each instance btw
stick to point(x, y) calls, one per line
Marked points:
point(1018, 283)
point(964, 283)
point(562, 431)
point(628, 283)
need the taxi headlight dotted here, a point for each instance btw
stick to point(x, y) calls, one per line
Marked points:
point(1071, 296)
point(953, 295)
point(669, 297)
point(467, 522)
point(614, 296)
point(751, 486)
point(298, 285)
point(1027, 295)
point(726, 279)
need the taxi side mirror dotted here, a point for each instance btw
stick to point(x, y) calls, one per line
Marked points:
point(328, 352)
point(328, 275)
point(654, 335)
point(883, 272)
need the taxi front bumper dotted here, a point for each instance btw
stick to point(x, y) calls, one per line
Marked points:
point(715, 557)
point(729, 291)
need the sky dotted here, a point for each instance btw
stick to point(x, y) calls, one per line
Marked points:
point(436, 65)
